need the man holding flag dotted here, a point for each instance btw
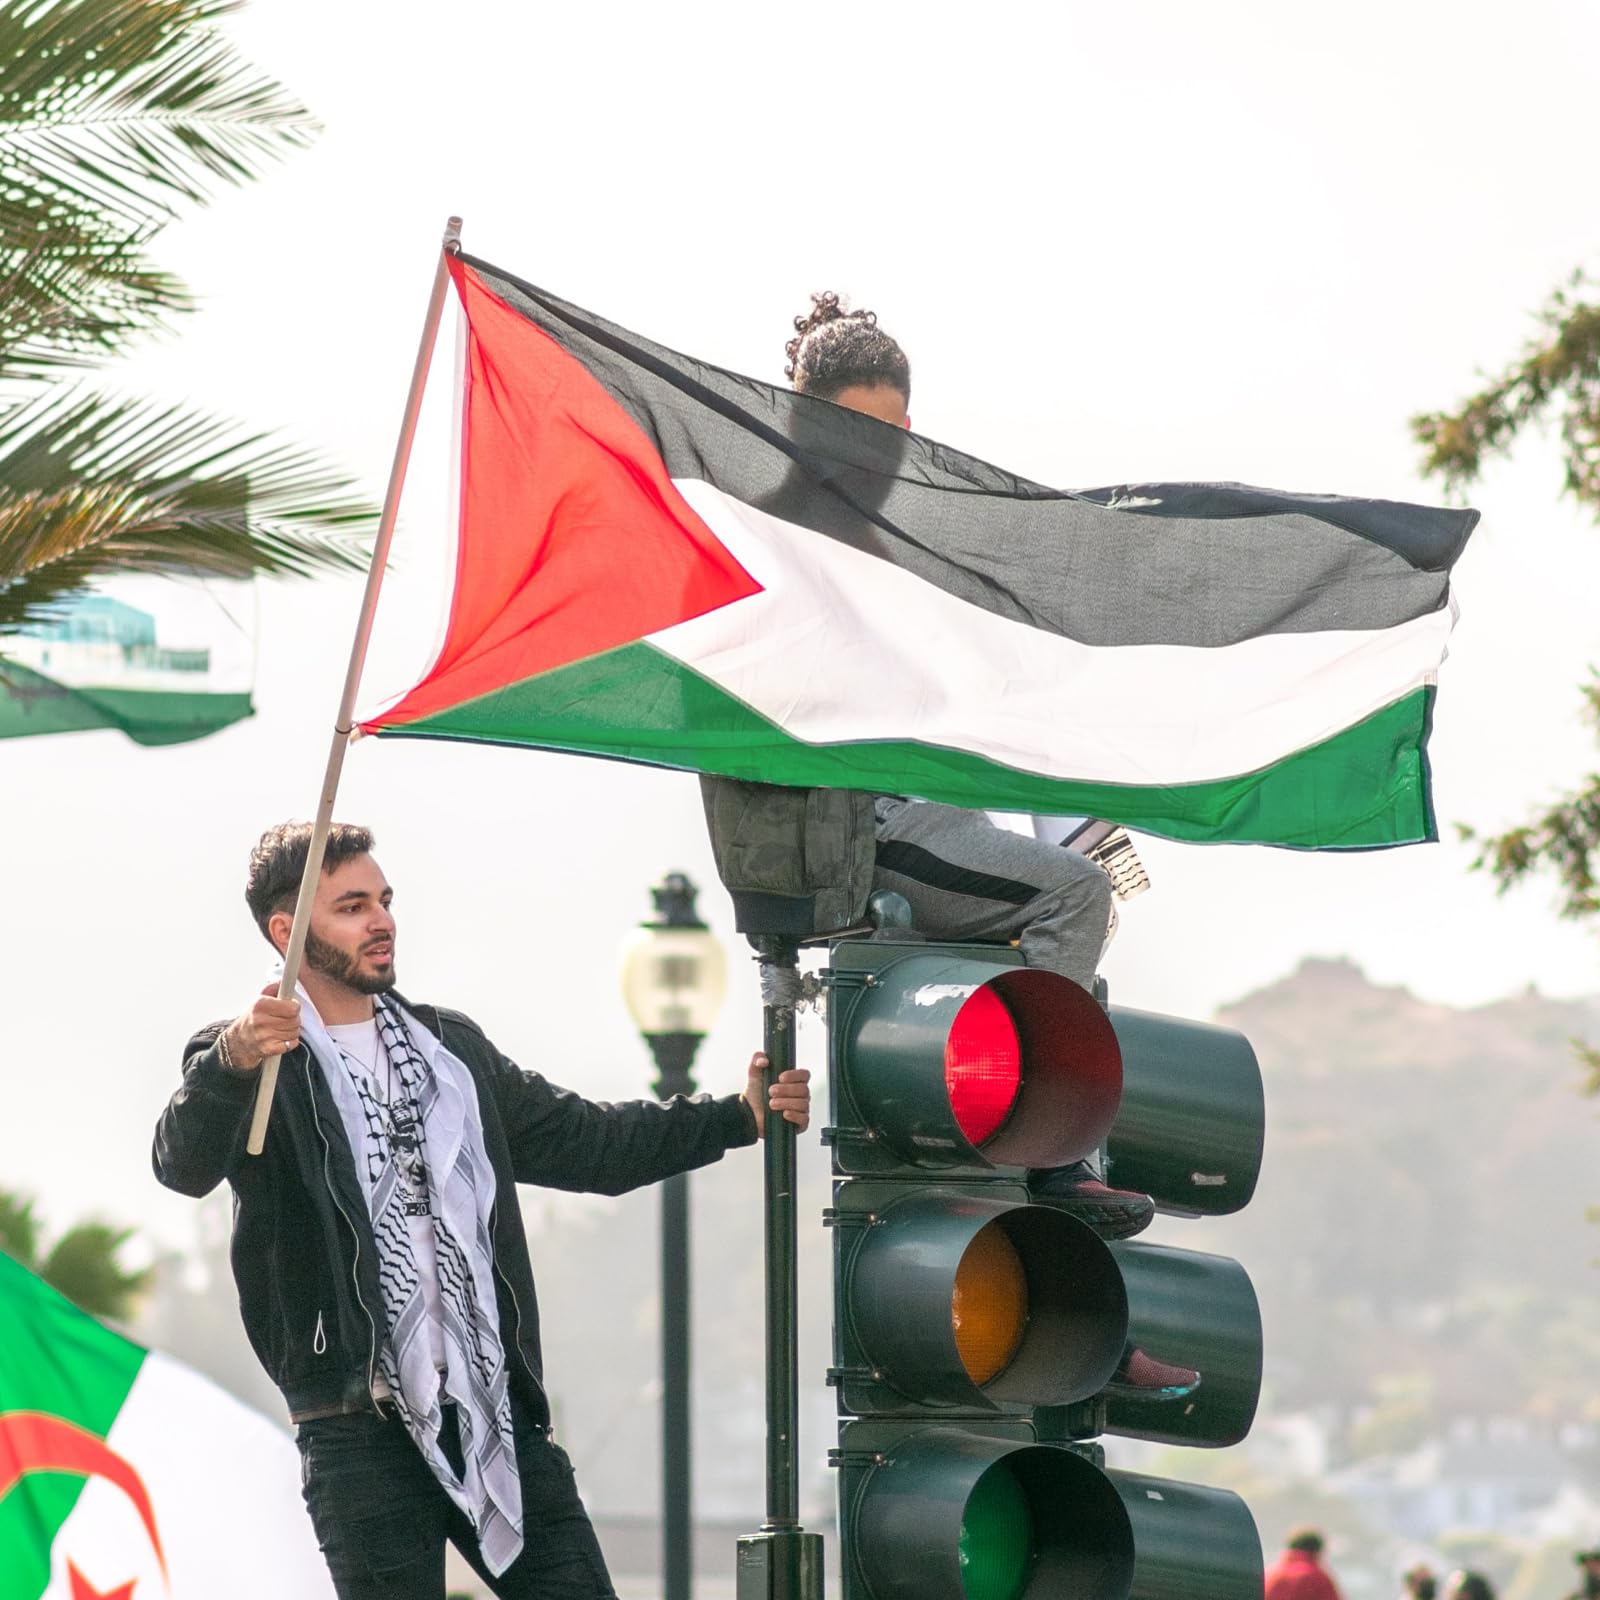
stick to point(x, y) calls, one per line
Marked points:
point(378, 1247)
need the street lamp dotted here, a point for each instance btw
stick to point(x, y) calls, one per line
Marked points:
point(674, 976)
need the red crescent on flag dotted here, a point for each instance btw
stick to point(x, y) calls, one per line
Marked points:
point(31, 1441)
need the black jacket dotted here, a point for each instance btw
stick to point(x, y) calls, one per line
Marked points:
point(304, 1258)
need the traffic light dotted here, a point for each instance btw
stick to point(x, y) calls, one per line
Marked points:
point(983, 1337)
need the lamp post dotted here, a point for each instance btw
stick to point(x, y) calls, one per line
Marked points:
point(674, 975)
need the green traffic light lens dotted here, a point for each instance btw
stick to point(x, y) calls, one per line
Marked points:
point(996, 1546)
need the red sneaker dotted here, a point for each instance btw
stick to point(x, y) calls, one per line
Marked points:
point(1142, 1377)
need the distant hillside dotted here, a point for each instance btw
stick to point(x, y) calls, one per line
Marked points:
point(1422, 1202)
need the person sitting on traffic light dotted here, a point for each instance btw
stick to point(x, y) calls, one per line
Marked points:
point(963, 877)
point(378, 1244)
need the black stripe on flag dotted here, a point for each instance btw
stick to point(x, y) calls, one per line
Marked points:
point(1178, 564)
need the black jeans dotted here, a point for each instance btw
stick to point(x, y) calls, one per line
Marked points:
point(382, 1519)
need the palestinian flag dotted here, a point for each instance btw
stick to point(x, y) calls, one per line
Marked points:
point(127, 1476)
point(663, 562)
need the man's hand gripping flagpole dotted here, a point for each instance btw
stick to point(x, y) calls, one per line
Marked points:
point(451, 244)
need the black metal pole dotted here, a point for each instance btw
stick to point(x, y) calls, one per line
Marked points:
point(677, 1517)
point(674, 1057)
point(783, 1399)
point(782, 1562)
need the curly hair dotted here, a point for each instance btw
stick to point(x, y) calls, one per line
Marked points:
point(834, 349)
point(279, 861)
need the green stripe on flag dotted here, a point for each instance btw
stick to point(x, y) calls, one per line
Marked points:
point(1366, 787)
point(60, 1361)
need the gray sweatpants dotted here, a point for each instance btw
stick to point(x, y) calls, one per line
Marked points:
point(967, 879)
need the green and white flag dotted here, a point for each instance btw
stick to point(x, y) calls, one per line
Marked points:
point(125, 1475)
point(165, 662)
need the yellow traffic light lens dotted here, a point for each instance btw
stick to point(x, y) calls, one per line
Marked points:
point(989, 1306)
point(982, 1065)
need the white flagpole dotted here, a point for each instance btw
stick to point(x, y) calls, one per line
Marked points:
point(451, 245)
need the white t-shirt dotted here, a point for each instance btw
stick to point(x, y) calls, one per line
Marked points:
point(363, 1053)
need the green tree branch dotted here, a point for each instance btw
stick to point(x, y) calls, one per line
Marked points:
point(1558, 371)
point(83, 1264)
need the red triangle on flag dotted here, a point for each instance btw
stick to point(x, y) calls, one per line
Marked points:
point(573, 539)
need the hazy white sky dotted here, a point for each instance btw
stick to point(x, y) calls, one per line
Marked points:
point(1237, 241)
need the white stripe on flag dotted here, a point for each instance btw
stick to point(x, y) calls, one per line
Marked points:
point(842, 646)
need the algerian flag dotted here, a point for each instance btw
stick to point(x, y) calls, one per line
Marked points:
point(663, 562)
point(125, 1475)
point(164, 661)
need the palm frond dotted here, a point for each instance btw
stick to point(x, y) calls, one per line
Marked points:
point(19, 1228)
point(112, 114)
point(90, 486)
point(69, 298)
point(122, 108)
point(85, 1266)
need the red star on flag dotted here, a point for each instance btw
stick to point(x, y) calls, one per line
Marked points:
point(82, 1589)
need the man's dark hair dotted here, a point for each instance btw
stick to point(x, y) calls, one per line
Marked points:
point(1307, 1539)
point(834, 349)
point(1471, 1586)
point(279, 861)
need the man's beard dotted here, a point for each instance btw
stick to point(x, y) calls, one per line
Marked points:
point(331, 962)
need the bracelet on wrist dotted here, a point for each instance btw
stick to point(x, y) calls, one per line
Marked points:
point(224, 1051)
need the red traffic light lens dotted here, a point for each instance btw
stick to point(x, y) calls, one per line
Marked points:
point(982, 1065)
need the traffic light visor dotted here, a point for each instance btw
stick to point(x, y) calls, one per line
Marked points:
point(957, 1297)
point(1070, 1082)
point(951, 1513)
point(1190, 1130)
point(942, 1059)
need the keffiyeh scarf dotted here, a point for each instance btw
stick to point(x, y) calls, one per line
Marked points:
point(419, 1150)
